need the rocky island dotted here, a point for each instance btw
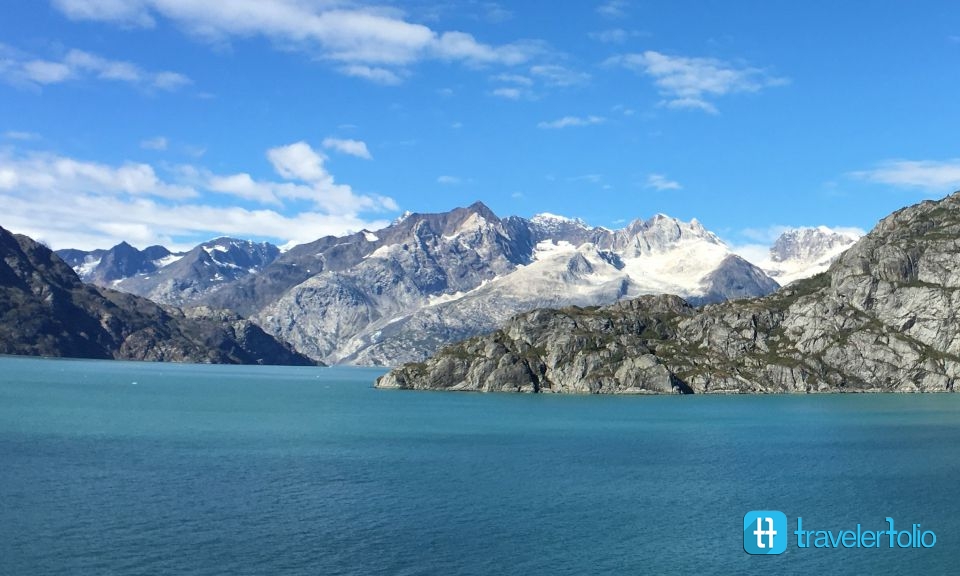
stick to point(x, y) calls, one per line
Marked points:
point(882, 318)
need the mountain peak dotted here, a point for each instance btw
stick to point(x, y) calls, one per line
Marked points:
point(810, 243)
point(482, 209)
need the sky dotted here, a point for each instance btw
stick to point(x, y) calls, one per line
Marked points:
point(175, 121)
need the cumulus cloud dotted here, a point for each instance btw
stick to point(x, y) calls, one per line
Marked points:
point(661, 182)
point(933, 176)
point(690, 83)
point(356, 148)
point(571, 121)
point(40, 172)
point(21, 69)
point(70, 202)
point(374, 43)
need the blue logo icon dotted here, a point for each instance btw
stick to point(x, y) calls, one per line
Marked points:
point(764, 532)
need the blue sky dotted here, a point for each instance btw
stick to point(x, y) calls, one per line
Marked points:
point(173, 121)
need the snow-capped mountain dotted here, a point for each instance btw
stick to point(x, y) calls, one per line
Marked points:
point(106, 267)
point(429, 279)
point(802, 252)
point(201, 271)
point(171, 278)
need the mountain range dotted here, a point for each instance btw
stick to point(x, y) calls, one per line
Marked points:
point(882, 317)
point(46, 310)
point(400, 293)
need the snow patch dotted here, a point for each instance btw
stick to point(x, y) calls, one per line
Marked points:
point(167, 260)
point(547, 248)
point(86, 269)
point(381, 252)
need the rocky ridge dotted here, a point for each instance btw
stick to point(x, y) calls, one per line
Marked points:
point(46, 310)
point(883, 317)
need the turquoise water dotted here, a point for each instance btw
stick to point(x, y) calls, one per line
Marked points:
point(126, 468)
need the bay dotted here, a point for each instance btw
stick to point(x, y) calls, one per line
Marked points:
point(140, 468)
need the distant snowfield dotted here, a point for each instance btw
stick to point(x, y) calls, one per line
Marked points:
point(799, 253)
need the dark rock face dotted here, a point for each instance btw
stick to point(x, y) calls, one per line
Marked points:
point(46, 310)
point(735, 279)
point(883, 318)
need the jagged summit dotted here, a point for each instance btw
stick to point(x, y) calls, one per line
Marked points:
point(802, 252)
point(810, 244)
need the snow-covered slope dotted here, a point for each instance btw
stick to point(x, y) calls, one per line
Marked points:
point(431, 279)
point(803, 252)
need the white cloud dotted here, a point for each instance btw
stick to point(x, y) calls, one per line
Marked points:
point(39, 172)
point(661, 182)
point(21, 69)
point(756, 254)
point(20, 135)
point(520, 86)
point(157, 143)
point(689, 83)
point(934, 176)
point(614, 9)
point(555, 75)
point(571, 121)
point(298, 161)
point(509, 93)
point(44, 72)
point(610, 36)
point(243, 186)
point(356, 148)
point(76, 203)
point(374, 43)
point(448, 180)
point(373, 74)
point(518, 79)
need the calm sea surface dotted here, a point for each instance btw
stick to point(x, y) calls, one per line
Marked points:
point(127, 468)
